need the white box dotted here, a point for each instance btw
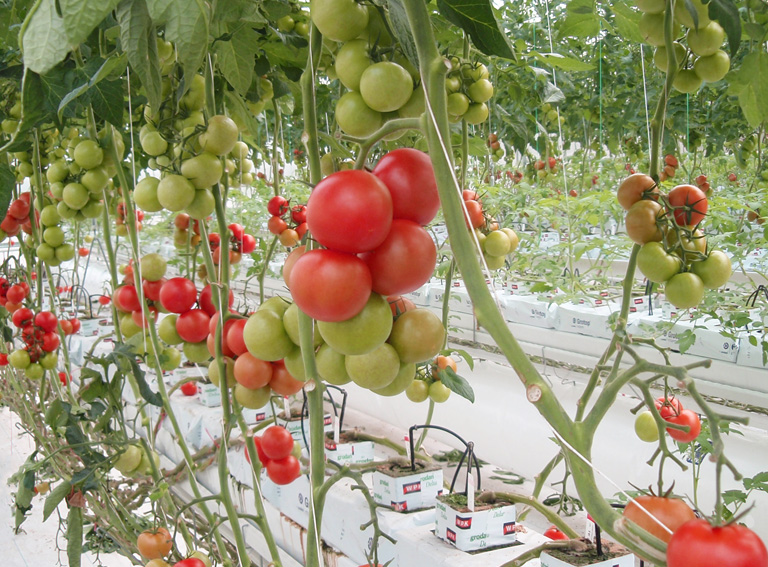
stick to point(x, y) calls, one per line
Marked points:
point(530, 310)
point(708, 342)
point(587, 319)
point(291, 499)
point(210, 395)
point(95, 327)
point(622, 561)
point(410, 491)
point(420, 297)
point(469, 531)
point(749, 354)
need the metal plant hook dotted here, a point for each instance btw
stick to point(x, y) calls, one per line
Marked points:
point(340, 413)
point(649, 292)
point(752, 299)
point(468, 453)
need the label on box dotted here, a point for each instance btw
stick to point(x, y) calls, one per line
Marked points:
point(585, 319)
point(420, 296)
point(529, 310)
point(95, 327)
point(751, 354)
point(410, 492)
point(623, 561)
point(356, 453)
point(470, 531)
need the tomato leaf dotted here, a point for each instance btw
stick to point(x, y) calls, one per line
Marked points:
point(186, 25)
point(110, 66)
point(125, 352)
point(580, 21)
point(476, 17)
point(457, 384)
point(562, 62)
point(80, 18)
point(727, 15)
point(402, 30)
point(139, 41)
point(626, 20)
point(43, 39)
point(236, 58)
point(750, 84)
point(55, 497)
point(107, 100)
point(463, 354)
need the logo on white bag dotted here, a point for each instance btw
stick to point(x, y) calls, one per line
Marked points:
point(450, 535)
point(463, 523)
point(509, 528)
point(412, 487)
point(399, 506)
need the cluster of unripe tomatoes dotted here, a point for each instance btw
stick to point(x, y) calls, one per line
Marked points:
point(673, 248)
point(496, 243)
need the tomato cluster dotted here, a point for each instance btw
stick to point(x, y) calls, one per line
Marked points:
point(468, 90)
point(239, 243)
point(495, 146)
point(672, 411)
point(496, 243)
point(428, 383)
point(17, 217)
point(181, 236)
point(670, 167)
point(702, 60)
point(703, 183)
point(288, 223)
point(545, 168)
point(120, 218)
point(277, 452)
point(673, 247)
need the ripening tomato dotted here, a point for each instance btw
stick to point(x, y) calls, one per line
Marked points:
point(192, 325)
point(276, 225)
point(330, 286)
point(641, 219)
point(277, 206)
point(290, 261)
point(282, 382)
point(154, 544)
point(234, 336)
point(634, 188)
point(699, 544)
point(350, 211)
point(668, 406)
point(252, 372)
point(475, 212)
point(404, 261)
point(672, 512)
point(23, 316)
point(127, 298)
point(189, 388)
point(554, 533)
point(410, 178)
point(689, 203)
point(190, 562)
point(206, 300)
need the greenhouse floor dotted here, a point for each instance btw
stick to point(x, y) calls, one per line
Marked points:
point(38, 543)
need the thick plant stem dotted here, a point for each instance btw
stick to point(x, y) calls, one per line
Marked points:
point(315, 395)
point(658, 117)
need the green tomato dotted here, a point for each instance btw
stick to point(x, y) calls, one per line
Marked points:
point(477, 113)
point(294, 363)
point(19, 359)
point(286, 24)
point(352, 59)
point(291, 324)
point(687, 81)
point(417, 335)
point(374, 370)
point(657, 264)
point(75, 195)
point(175, 192)
point(684, 290)
point(480, 91)
point(331, 367)
point(166, 329)
point(145, 195)
point(203, 170)
point(339, 20)
point(439, 392)
point(202, 205)
point(651, 6)
point(47, 254)
point(152, 266)
point(172, 359)
point(197, 352)
point(706, 40)
point(652, 29)
point(34, 371)
point(458, 104)
point(65, 252)
point(386, 86)
point(92, 209)
point(49, 216)
point(712, 68)
point(661, 60)
point(220, 136)
point(715, 270)
point(57, 171)
point(53, 236)
point(252, 399)
point(400, 384)
point(277, 304)
point(49, 360)
point(415, 106)
point(645, 427)
point(362, 333)
point(153, 143)
point(683, 15)
point(417, 391)
point(265, 337)
point(129, 459)
point(229, 367)
point(355, 117)
point(497, 243)
point(88, 154)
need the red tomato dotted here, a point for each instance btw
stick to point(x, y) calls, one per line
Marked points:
point(282, 382)
point(237, 230)
point(190, 562)
point(259, 451)
point(46, 320)
point(252, 372)
point(178, 295)
point(152, 289)
point(350, 211)
point(76, 323)
point(404, 261)
point(235, 336)
point(554, 533)
point(290, 261)
point(83, 251)
point(277, 442)
point(469, 195)
point(299, 214)
point(689, 203)
point(23, 317)
point(698, 544)
point(63, 378)
point(410, 178)
point(189, 388)
point(248, 244)
point(15, 294)
point(3, 359)
point(277, 206)
point(192, 325)
point(689, 418)
point(668, 407)
point(66, 326)
point(128, 298)
point(284, 471)
point(206, 300)
point(105, 299)
point(672, 512)
point(330, 286)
